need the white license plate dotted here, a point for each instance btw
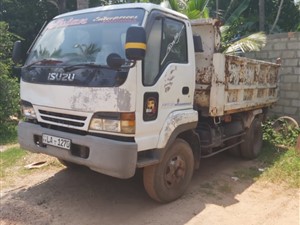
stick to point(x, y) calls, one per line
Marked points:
point(56, 141)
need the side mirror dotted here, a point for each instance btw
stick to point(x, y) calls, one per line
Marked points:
point(135, 46)
point(115, 61)
point(17, 52)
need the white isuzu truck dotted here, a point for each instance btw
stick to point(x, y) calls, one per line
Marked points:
point(130, 86)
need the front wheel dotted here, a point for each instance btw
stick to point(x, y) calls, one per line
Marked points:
point(168, 180)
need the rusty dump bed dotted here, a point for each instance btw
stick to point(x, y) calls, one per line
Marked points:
point(228, 84)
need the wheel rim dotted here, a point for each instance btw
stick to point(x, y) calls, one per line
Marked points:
point(175, 171)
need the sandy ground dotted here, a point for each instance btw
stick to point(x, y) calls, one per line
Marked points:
point(64, 196)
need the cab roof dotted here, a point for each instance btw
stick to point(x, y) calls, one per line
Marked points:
point(147, 6)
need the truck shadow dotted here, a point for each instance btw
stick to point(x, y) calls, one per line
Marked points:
point(86, 197)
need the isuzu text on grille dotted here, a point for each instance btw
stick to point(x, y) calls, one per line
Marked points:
point(61, 76)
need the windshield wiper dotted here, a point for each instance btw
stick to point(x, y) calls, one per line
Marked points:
point(83, 65)
point(44, 61)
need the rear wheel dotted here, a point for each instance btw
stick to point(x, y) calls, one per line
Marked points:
point(252, 145)
point(168, 180)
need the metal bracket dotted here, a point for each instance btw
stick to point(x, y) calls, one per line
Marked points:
point(217, 120)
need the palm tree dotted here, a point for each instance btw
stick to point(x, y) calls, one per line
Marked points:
point(232, 41)
point(194, 9)
point(252, 42)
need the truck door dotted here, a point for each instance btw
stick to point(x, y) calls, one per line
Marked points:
point(167, 83)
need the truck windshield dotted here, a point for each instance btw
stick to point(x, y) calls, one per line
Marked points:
point(85, 38)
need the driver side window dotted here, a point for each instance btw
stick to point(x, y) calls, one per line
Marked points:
point(151, 62)
point(167, 43)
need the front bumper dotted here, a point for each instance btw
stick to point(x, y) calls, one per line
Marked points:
point(110, 157)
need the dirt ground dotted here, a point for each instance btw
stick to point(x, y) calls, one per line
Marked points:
point(215, 196)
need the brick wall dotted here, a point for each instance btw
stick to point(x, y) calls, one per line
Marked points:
point(287, 47)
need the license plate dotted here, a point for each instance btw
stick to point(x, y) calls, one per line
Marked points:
point(56, 141)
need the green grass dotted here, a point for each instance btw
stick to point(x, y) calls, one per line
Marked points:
point(281, 160)
point(9, 158)
point(278, 166)
point(250, 173)
point(283, 166)
point(14, 160)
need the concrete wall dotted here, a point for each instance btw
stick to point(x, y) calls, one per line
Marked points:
point(287, 47)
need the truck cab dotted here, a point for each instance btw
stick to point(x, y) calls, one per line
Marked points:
point(112, 120)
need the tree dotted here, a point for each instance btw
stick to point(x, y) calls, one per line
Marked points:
point(261, 15)
point(194, 9)
point(238, 34)
point(9, 94)
point(82, 4)
point(26, 18)
point(277, 16)
point(252, 42)
point(232, 43)
point(249, 19)
point(59, 4)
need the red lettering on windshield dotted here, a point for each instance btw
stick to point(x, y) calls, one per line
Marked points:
point(66, 22)
point(116, 19)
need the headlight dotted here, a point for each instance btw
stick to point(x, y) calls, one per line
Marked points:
point(96, 124)
point(111, 125)
point(114, 122)
point(28, 110)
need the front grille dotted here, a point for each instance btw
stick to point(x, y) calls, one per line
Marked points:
point(62, 119)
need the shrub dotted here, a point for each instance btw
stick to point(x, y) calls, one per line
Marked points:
point(281, 132)
point(9, 94)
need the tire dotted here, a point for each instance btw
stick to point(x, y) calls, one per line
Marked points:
point(168, 180)
point(252, 145)
point(68, 164)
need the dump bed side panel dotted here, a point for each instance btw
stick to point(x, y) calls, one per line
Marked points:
point(249, 84)
point(240, 84)
point(227, 84)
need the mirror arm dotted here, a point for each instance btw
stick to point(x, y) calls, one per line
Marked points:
point(133, 63)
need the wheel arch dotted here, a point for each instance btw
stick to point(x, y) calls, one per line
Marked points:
point(188, 134)
point(193, 139)
point(248, 117)
point(180, 124)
